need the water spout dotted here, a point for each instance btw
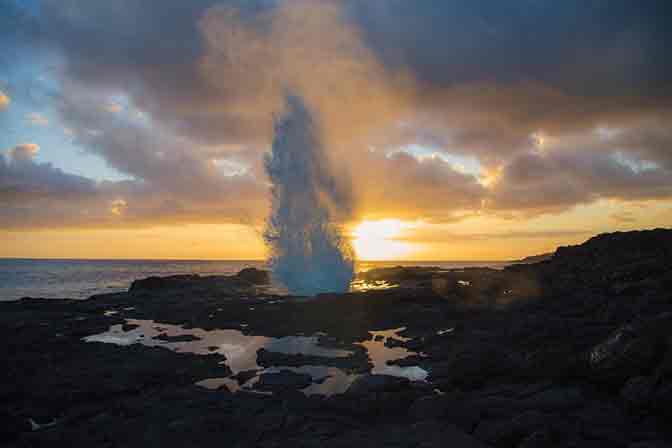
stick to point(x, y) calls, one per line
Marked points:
point(308, 252)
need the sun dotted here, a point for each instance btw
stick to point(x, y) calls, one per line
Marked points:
point(376, 240)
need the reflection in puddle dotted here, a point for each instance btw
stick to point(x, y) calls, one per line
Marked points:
point(240, 351)
point(379, 354)
point(384, 335)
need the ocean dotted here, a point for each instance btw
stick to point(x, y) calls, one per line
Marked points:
point(79, 279)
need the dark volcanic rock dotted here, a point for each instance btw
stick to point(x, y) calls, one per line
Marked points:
point(245, 376)
point(157, 283)
point(638, 392)
point(196, 284)
point(556, 399)
point(179, 338)
point(536, 258)
point(368, 384)
point(632, 350)
point(358, 362)
point(254, 276)
point(509, 432)
point(284, 379)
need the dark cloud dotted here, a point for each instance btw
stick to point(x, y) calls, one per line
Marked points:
point(22, 179)
point(490, 73)
point(150, 52)
point(34, 194)
point(595, 48)
point(536, 182)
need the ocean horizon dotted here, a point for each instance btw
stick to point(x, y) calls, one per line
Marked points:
point(79, 278)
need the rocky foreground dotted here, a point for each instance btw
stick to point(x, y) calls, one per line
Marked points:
point(572, 351)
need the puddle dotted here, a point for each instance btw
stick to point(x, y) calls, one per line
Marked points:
point(240, 351)
point(380, 354)
point(384, 335)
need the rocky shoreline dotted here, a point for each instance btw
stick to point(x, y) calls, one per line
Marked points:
point(575, 350)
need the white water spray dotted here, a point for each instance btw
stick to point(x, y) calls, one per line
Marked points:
point(308, 252)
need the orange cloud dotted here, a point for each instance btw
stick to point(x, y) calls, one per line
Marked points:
point(24, 151)
point(4, 100)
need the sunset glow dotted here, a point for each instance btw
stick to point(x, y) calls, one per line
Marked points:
point(375, 240)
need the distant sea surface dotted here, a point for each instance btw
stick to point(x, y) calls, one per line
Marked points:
point(79, 279)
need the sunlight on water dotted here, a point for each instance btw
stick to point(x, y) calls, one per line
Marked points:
point(371, 285)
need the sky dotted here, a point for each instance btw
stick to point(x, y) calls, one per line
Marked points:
point(481, 130)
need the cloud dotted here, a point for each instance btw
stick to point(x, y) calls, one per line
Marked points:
point(539, 183)
point(623, 217)
point(616, 48)
point(27, 184)
point(172, 180)
point(37, 119)
point(38, 195)
point(400, 185)
point(23, 152)
point(460, 78)
point(118, 206)
point(4, 101)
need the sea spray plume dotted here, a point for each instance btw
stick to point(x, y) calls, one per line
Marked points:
point(308, 252)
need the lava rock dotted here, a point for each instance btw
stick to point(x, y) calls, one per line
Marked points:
point(254, 276)
point(284, 379)
point(358, 362)
point(244, 376)
point(157, 283)
point(368, 384)
point(624, 354)
point(555, 399)
point(178, 338)
point(511, 432)
point(638, 392)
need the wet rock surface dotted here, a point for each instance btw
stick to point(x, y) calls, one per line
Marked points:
point(575, 350)
point(358, 362)
point(282, 380)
